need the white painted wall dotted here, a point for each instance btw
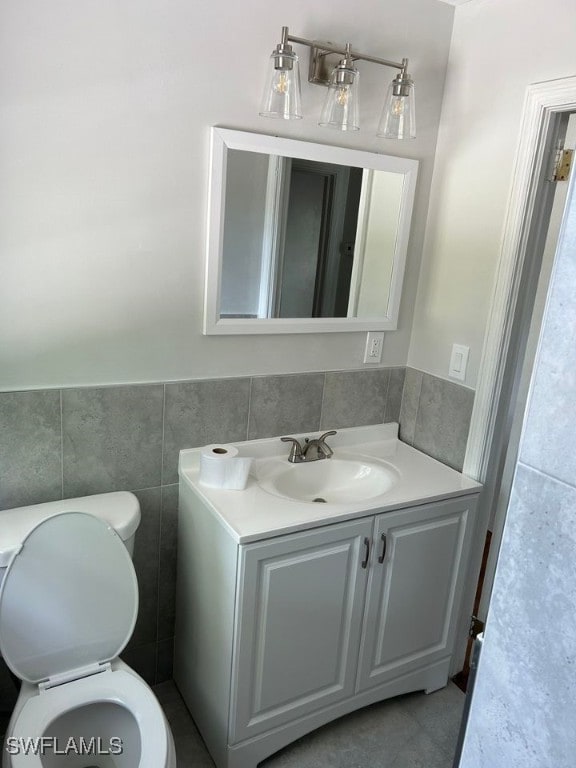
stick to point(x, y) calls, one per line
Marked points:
point(104, 129)
point(499, 47)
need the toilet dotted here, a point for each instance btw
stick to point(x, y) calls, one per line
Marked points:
point(68, 606)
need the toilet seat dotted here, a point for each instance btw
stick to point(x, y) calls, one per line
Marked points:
point(68, 600)
point(115, 686)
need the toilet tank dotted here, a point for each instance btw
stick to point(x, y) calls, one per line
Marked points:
point(121, 510)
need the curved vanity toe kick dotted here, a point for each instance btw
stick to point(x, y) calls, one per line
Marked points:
point(250, 753)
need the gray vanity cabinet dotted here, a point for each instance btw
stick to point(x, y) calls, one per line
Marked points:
point(279, 636)
point(413, 589)
point(299, 624)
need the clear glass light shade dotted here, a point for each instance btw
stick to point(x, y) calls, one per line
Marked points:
point(281, 97)
point(340, 108)
point(398, 120)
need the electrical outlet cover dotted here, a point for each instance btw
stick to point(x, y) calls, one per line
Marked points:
point(374, 344)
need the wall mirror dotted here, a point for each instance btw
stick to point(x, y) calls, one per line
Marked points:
point(304, 237)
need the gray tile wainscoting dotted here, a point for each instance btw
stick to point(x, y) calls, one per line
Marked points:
point(285, 404)
point(355, 398)
point(435, 416)
point(30, 448)
point(200, 413)
point(72, 442)
point(100, 428)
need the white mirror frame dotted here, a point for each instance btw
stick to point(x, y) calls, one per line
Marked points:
point(223, 139)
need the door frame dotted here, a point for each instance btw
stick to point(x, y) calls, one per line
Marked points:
point(542, 104)
point(275, 209)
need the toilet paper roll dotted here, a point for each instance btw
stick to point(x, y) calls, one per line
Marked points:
point(222, 467)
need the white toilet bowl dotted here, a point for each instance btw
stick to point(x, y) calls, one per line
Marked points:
point(68, 604)
point(112, 712)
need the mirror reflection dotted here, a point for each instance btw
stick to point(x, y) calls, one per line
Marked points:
point(304, 237)
point(307, 239)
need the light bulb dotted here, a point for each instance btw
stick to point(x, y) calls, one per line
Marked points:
point(397, 106)
point(281, 84)
point(342, 96)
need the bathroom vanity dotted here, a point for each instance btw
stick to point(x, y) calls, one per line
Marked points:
point(318, 589)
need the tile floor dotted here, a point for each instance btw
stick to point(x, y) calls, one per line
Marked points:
point(412, 731)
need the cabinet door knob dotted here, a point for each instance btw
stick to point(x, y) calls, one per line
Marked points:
point(366, 552)
point(383, 552)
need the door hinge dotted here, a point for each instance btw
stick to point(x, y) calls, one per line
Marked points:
point(562, 164)
point(476, 626)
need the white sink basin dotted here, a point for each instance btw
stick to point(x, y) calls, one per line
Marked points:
point(332, 481)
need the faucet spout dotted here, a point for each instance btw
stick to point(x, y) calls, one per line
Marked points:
point(296, 452)
point(317, 449)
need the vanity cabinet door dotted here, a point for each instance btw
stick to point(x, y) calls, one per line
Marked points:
point(413, 594)
point(298, 625)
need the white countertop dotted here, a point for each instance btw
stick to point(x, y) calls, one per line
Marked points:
point(253, 513)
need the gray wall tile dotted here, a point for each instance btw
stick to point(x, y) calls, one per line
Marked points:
point(142, 660)
point(8, 690)
point(394, 398)
point(354, 398)
point(281, 405)
point(549, 440)
point(167, 574)
point(146, 563)
point(112, 439)
point(202, 412)
point(443, 420)
point(164, 660)
point(410, 403)
point(540, 539)
point(30, 448)
point(523, 705)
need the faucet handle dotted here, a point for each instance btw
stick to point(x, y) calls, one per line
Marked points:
point(295, 451)
point(323, 445)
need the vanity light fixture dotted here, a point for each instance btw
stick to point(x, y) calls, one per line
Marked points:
point(333, 66)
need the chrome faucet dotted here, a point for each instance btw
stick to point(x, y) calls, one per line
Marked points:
point(312, 450)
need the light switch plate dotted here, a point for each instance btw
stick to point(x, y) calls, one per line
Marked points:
point(458, 362)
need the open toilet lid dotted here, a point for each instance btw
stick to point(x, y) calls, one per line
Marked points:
point(69, 598)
